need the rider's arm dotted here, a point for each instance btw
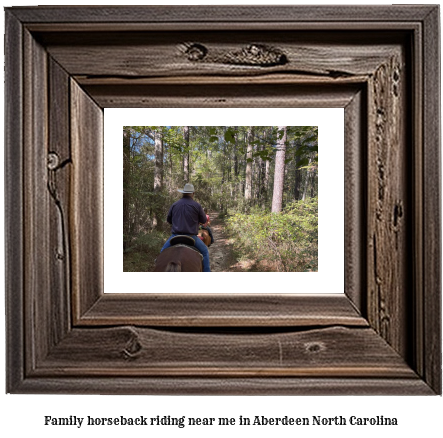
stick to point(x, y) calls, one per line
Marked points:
point(201, 216)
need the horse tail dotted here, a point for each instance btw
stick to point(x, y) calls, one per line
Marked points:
point(174, 267)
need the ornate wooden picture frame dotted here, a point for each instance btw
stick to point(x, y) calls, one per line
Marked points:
point(65, 64)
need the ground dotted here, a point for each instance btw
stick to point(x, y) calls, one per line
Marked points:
point(222, 254)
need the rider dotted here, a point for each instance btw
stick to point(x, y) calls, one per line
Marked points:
point(205, 226)
point(184, 216)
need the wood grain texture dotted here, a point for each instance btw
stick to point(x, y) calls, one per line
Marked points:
point(228, 95)
point(128, 350)
point(260, 26)
point(418, 357)
point(262, 79)
point(432, 334)
point(14, 203)
point(159, 54)
point(388, 204)
point(223, 345)
point(86, 207)
point(242, 310)
point(38, 311)
point(355, 187)
point(223, 14)
point(59, 180)
point(174, 385)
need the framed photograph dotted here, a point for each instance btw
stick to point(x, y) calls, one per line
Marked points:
point(66, 65)
point(246, 238)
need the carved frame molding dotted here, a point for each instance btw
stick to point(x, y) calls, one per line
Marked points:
point(64, 65)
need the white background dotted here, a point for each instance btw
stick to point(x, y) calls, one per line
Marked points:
point(24, 414)
point(328, 279)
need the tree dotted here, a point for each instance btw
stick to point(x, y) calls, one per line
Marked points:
point(235, 151)
point(279, 173)
point(232, 167)
point(186, 154)
point(158, 172)
point(126, 182)
point(249, 160)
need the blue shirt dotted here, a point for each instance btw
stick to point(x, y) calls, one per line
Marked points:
point(185, 215)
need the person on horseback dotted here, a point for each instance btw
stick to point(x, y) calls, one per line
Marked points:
point(205, 226)
point(185, 216)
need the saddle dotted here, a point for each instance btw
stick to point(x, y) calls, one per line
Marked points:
point(182, 239)
point(186, 241)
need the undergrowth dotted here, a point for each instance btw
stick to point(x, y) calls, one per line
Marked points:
point(142, 251)
point(288, 239)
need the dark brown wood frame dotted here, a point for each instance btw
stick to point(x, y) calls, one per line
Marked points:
point(64, 65)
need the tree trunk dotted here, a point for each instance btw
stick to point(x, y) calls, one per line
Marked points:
point(186, 154)
point(266, 179)
point(248, 181)
point(171, 168)
point(279, 174)
point(126, 184)
point(222, 185)
point(235, 153)
point(297, 176)
point(313, 184)
point(267, 167)
point(158, 173)
point(261, 174)
point(308, 180)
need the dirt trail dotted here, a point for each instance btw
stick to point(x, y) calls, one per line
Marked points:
point(221, 252)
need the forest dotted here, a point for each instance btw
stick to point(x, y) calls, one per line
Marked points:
point(259, 185)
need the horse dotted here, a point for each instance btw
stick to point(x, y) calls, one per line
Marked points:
point(205, 237)
point(181, 256)
point(179, 259)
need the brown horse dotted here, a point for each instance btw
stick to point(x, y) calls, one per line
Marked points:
point(205, 237)
point(179, 259)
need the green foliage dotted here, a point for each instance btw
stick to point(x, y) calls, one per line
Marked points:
point(143, 250)
point(288, 239)
point(152, 241)
point(217, 158)
point(230, 136)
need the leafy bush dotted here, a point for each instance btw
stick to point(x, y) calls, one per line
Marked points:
point(143, 250)
point(152, 241)
point(288, 239)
